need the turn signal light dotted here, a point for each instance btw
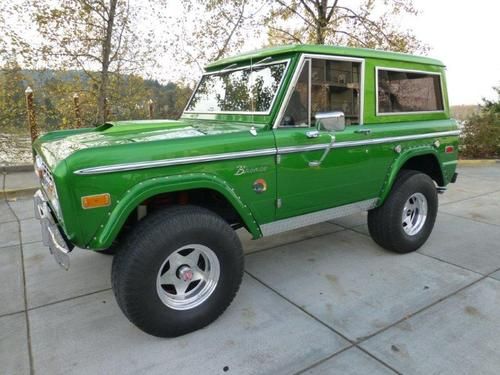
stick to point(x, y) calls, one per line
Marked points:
point(94, 201)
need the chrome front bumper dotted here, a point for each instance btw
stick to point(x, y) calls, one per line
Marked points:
point(51, 233)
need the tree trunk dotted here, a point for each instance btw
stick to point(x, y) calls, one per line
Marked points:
point(106, 53)
point(321, 21)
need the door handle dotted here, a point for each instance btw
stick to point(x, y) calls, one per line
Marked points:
point(317, 163)
point(312, 134)
point(363, 131)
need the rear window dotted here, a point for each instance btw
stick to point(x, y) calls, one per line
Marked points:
point(401, 91)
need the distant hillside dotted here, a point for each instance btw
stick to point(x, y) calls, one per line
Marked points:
point(128, 98)
point(462, 112)
point(43, 76)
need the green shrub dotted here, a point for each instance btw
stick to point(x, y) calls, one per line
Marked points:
point(481, 136)
point(481, 132)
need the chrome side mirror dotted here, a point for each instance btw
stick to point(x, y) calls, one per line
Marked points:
point(330, 121)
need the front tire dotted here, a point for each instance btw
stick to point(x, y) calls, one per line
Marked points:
point(177, 271)
point(406, 219)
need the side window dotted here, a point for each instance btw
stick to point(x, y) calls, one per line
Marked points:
point(335, 86)
point(405, 91)
point(297, 110)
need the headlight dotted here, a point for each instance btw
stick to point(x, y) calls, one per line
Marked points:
point(48, 184)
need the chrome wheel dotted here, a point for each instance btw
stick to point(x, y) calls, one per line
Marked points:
point(414, 213)
point(188, 277)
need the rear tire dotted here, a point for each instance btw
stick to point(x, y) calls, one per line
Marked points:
point(406, 219)
point(177, 271)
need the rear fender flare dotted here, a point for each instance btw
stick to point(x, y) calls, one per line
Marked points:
point(398, 163)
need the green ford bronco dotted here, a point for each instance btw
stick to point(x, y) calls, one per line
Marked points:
point(270, 141)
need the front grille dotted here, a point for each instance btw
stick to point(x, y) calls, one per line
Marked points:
point(46, 179)
point(47, 182)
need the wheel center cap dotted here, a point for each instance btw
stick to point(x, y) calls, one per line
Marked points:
point(185, 273)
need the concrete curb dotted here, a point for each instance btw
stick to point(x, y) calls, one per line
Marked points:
point(19, 193)
point(17, 168)
point(477, 162)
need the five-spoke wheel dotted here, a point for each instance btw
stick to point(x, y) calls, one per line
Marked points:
point(414, 213)
point(188, 277)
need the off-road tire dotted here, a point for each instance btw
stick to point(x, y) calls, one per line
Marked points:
point(142, 252)
point(385, 222)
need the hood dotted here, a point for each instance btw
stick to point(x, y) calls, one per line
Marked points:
point(125, 132)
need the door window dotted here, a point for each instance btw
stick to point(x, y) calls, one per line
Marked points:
point(297, 111)
point(325, 86)
point(335, 86)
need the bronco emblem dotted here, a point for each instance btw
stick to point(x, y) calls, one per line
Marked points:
point(243, 169)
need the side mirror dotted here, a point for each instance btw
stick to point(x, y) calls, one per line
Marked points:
point(331, 121)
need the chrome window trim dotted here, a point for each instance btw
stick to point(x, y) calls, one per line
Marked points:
point(287, 65)
point(254, 153)
point(300, 221)
point(289, 93)
point(309, 92)
point(289, 90)
point(377, 113)
point(295, 78)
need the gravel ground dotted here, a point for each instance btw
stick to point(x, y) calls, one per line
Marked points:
point(15, 149)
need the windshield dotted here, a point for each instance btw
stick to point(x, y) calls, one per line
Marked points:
point(249, 89)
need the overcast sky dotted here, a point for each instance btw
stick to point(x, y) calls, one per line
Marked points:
point(464, 35)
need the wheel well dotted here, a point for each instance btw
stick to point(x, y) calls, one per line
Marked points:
point(207, 198)
point(427, 164)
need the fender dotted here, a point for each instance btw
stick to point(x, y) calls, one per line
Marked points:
point(152, 187)
point(398, 163)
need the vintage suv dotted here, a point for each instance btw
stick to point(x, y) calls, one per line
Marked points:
point(270, 141)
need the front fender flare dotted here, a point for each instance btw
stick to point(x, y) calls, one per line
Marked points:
point(159, 185)
point(398, 163)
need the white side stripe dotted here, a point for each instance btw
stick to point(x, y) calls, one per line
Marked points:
point(253, 153)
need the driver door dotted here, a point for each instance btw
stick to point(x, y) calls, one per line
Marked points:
point(315, 169)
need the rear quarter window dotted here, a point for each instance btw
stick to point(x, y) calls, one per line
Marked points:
point(405, 91)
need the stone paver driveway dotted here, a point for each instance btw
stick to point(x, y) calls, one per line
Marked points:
point(321, 300)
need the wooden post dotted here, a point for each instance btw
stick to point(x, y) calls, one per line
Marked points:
point(76, 101)
point(150, 107)
point(106, 109)
point(30, 109)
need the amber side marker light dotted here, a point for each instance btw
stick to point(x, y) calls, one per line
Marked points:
point(95, 201)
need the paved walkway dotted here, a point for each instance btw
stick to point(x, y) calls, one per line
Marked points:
point(321, 300)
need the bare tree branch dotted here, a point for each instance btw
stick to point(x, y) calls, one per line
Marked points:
point(353, 36)
point(294, 11)
point(332, 10)
point(309, 10)
point(295, 38)
point(228, 39)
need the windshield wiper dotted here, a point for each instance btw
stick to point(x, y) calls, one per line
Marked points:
point(262, 61)
point(229, 67)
